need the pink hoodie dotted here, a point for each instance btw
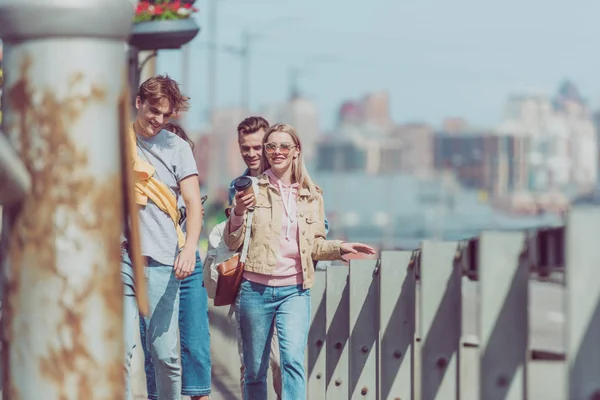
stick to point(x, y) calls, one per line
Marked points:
point(288, 270)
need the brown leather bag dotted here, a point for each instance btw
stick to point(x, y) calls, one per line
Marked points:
point(231, 271)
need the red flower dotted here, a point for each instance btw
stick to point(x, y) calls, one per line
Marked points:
point(147, 11)
point(142, 6)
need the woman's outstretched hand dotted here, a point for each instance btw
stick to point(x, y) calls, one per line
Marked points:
point(355, 248)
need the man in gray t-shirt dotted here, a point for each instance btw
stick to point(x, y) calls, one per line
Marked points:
point(173, 160)
point(167, 263)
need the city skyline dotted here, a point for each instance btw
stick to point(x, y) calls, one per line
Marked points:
point(436, 60)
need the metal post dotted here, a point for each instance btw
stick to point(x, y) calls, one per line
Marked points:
point(64, 69)
point(363, 344)
point(186, 52)
point(582, 303)
point(294, 88)
point(134, 73)
point(504, 327)
point(440, 320)
point(338, 323)
point(317, 338)
point(245, 78)
point(397, 325)
point(212, 58)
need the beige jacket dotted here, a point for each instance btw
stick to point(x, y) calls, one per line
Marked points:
point(266, 232)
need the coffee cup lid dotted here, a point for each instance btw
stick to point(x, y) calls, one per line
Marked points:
point(242, 183)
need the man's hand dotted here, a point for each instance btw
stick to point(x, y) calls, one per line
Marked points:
point(185, 262)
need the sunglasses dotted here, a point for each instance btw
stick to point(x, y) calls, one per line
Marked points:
point(284, 148)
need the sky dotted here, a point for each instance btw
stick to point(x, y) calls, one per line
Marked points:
point(436, 58)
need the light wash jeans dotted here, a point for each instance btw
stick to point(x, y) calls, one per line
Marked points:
point(195, 339)
point(273, 362)
point(161, 328)
point(161, 334)
point(261, 308)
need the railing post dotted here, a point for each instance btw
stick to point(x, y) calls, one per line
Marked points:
point(64, 73)
point(504, 316)
point(440, 320)
point(583, 303)
point(364, 329)
point(397, 325)
point(338, 323)
point(317, 338)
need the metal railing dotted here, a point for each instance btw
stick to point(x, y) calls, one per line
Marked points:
point(508, 315)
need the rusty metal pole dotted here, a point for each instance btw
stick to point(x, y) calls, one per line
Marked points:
point(64, 66)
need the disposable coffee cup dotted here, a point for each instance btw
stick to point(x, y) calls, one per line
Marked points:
point(244, 185)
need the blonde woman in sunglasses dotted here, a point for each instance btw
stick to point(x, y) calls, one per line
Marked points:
point(287, 235)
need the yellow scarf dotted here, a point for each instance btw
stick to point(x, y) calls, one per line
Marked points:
point(148, 187)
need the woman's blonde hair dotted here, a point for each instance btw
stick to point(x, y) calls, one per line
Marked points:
point(299, 172)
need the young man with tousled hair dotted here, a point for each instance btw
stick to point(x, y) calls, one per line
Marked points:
point(164, 170)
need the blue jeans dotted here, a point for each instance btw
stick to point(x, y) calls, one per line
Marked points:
point(194, 335)
point(161, 334)
point(260, 308)
point(130, 311)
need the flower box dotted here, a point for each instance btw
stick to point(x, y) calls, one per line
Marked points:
point(170, 34)
point(163, 24)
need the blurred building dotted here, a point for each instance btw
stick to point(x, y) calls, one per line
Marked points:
point(406, 149)
point(409, 148)
point(334, 154)
point(368, 117)
point(303, 115)
point(376, 111)
point(583, 142)
point(496, 164)
point(402, 209)
point(455, 125)
point(217, 152)
point(366, 139)
point(351, 113)
point(564, 143)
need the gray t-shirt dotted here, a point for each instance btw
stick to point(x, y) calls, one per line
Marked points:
point(173, 160)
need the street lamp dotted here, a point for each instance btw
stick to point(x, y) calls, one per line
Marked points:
point(295, 72)
point(243, 51)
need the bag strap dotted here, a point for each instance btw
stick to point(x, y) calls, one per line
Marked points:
point(143, 145)
point(247, 236)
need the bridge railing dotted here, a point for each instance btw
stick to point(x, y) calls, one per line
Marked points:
point(507, 315)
